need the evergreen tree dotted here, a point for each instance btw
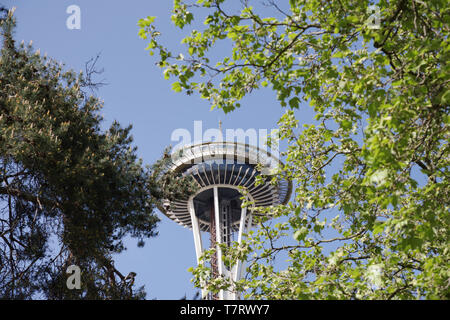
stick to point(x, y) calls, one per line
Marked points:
point(69, 192)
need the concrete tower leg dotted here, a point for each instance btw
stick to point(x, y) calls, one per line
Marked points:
point(197, 237)
point(221, 232)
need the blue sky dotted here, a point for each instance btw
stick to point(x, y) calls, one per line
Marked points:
point(137, 94)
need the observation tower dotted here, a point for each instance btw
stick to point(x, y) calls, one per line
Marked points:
point(216, 210)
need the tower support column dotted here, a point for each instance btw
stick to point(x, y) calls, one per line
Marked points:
point(218, 236)
point(197, 237)
point(221, 231)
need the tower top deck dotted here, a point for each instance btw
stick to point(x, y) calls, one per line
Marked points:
point(227, 165)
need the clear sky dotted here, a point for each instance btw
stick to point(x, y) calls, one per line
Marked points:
point(137, 94)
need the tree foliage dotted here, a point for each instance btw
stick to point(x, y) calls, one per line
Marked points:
point(69, 191)
point(369, 213)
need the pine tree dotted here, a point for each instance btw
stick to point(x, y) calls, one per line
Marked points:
point(69, 192)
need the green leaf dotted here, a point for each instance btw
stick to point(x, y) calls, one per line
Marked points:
point(294, 103)
point(378, 228)
point(346, 124)
point(445, 99)
point(176, 87)
point(301, 233)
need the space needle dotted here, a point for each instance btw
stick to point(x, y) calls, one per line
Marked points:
point(221, 170)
